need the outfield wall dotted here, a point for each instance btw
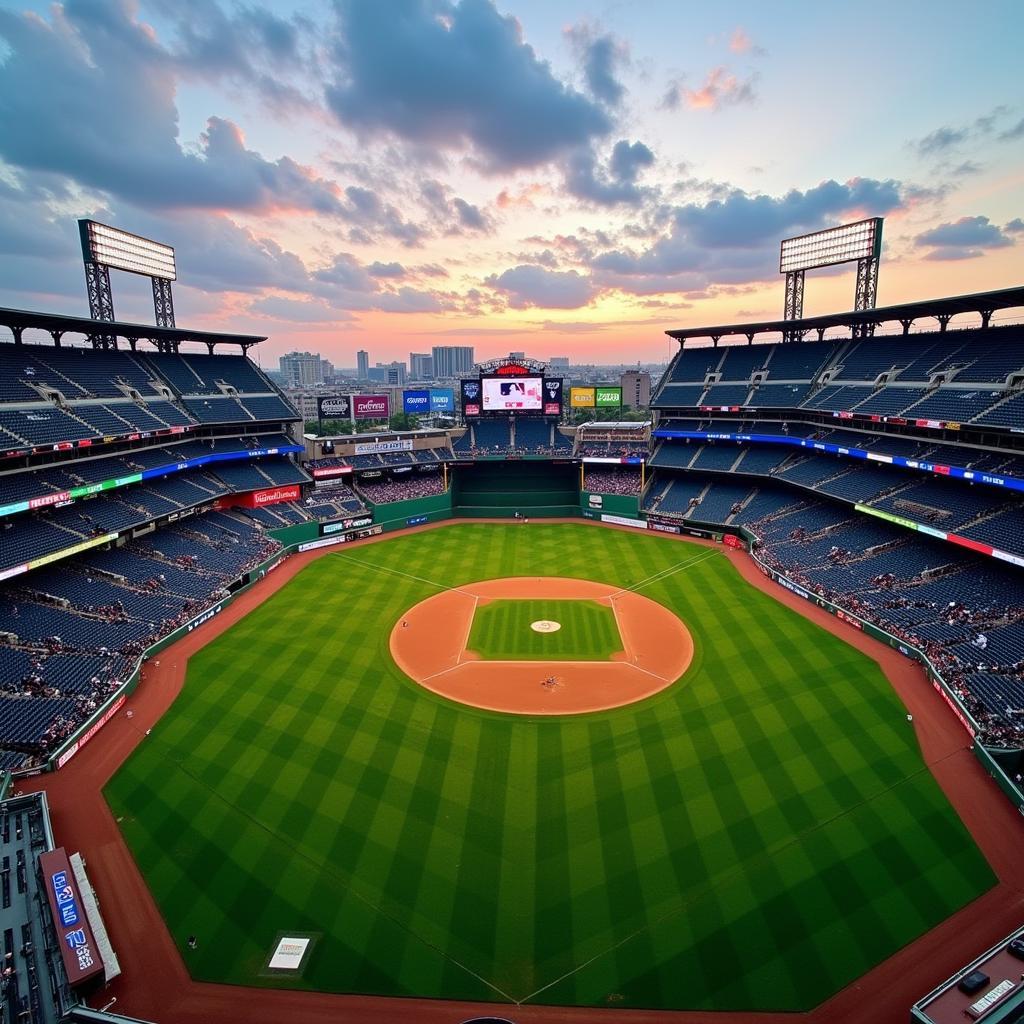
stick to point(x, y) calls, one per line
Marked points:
point(500, 490)
point(397, 515)
point(616, 504)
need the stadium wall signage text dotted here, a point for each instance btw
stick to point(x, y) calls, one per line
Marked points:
point(77, 945)
point(333, 407)
point(371, 407)
point(416, 402)
point(377, 447)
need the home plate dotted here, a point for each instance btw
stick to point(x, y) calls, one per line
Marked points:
point(545, 626)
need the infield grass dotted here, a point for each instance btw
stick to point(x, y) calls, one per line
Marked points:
point(502, 631)
point(754, 837)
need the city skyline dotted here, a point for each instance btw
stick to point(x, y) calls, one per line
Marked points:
point(349, 175)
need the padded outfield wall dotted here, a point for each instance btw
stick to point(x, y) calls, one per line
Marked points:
point(498, 490)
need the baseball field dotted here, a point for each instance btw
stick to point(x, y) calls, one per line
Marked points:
point(755, 836)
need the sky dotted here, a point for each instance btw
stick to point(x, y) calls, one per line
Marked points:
point(565, 178)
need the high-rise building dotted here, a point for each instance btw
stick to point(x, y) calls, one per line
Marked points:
point(362, 365)
point(451, 360)
point(559, 362)
point(421, 366)
point(636, 389)
point(326, 368)
point(395, 373)
point(302, 369)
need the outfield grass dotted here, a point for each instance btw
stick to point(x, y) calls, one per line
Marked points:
point(754, 837)
point(501, 631)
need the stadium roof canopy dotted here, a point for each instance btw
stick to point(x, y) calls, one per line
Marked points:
point(104, 334)
point(943, 310)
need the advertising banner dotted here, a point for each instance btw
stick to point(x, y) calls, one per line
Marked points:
point(639, 524)
point(581, 398)
point(377, 447)
point(416, 403)
point(77, 946)
point(371, 407)
point(333, 407)
point(442, 400)
point(470, 398)
point(274, 495)
point(356, 523)
point(552, 397)
point(325, 472)
point(605, 397)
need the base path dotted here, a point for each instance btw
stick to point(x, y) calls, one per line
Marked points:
point(429, 642)
point(156, 986)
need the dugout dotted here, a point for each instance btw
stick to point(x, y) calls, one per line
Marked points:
point(500, 489)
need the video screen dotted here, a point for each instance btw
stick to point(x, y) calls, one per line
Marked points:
point(508, 394)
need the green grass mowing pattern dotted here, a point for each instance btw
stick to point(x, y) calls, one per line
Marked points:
point(501, 631)
point(755, 837)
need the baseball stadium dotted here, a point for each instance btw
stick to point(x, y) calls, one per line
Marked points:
point(717, 716)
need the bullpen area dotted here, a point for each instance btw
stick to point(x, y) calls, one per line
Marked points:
point(753, 834)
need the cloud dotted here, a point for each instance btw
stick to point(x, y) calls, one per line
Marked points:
point(386, 270)
point(452, 214)
point(740, 42)
point(1015, 226)
point(942, 139)
point(585, 180)
point(1014, 132)
point(528, 285)
point(949, 137)
point(965, 238)
point(470, 216)
point(211, 44)
point(602, 56)
point(454, 76)
point(735, 239)
point(721, 88)
point(104, 116)
point(371, 215)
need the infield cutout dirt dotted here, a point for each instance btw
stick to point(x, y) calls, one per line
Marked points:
point(428, 643)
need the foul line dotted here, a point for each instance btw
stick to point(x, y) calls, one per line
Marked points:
point(408, 575)
point(662, 574)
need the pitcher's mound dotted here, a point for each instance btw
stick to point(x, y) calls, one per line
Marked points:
point(429, 645)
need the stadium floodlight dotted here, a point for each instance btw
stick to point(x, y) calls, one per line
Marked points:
point(859, 242)
point(122, 250)
point(105, 248)
point(843, 244)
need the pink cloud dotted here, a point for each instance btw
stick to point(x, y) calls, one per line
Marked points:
point(721, 88)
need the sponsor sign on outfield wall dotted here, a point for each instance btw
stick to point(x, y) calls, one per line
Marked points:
point(74, 936)
point(323, 542)
point(371, 407)
point(639, 524)
point(90, 732)
point(346, 524)
point(581, 398)
point(604, 397)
